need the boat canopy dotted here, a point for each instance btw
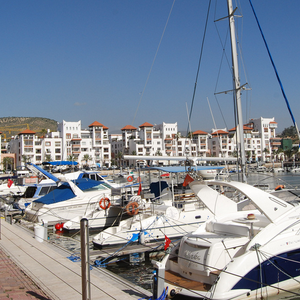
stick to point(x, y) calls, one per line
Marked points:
point(65, 192)
point(181, 169)
point(61, 163)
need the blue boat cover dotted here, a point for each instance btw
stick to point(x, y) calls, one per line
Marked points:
point(64, 191)
point(61, 163)
point(181, 169)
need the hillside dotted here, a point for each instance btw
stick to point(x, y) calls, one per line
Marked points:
point(10, 126)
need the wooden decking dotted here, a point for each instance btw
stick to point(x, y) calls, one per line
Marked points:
point(185, 283)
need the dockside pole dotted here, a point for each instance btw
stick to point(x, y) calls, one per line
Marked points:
point(85, 260)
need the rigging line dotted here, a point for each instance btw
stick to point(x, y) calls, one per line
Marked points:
point(219, 72)
point(189, 122)
point(275, 70)
point(230, 273)
point(220, 144)
point(279, 269)
point(211, 113)
point(260, 272)
point(199, 62)
point(142, 94)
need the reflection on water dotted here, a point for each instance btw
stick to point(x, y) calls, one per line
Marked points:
point(290, 180)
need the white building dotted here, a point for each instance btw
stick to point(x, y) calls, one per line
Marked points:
point(266, 132)
point(259, 140)
point(70, 142)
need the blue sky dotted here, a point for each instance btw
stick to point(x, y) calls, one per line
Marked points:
point(89, 60)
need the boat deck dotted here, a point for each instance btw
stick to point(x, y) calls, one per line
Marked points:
point(178, 280)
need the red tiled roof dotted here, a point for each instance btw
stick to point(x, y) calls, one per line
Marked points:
point(129, 127)
point(273, 122)
point(97, 124)
point(146, 124)
point(199, 132)
point(27, 131)
point(219, 132)
point(244, 128)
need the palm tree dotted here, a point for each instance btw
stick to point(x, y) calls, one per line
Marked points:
point(48, 157)
point(248, 155)
point(119, 158)
point(71, 157)
point(26, 159)
point(44, 132)
point(7, 163)
point(86, 158)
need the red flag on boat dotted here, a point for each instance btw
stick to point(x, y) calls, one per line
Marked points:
point(187, 180)
point(9, 183)
point(140, 189)
point(167, 243)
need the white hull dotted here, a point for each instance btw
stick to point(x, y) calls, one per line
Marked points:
point(149, 227)
point(234, 256)
point(13, 190)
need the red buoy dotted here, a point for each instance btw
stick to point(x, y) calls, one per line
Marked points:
point(59, 226)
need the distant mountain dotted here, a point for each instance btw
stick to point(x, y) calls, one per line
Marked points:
point(11, 126)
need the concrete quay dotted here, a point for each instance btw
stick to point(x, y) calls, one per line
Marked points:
point(34, 270)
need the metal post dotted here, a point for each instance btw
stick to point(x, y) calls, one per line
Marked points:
point(85, 259)
point(159, 278)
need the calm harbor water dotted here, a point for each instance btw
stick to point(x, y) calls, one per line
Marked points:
point(141, 273)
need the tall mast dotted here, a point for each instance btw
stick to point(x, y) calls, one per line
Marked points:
point(237, 90)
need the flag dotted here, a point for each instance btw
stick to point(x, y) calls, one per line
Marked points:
point(9, 183)
point(140, 189)
point(167, 243)
point(187, 180)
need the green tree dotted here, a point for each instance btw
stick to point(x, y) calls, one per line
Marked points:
point(43, 132)
point(86, 158)
point(290, 132)
point(8, 163)
point(120, 158)
point(48, 157)
point(248, 155)
point(71, 157)
point(26, 159)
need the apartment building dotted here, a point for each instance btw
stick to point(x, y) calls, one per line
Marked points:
point(259, 140)
point(70, 142)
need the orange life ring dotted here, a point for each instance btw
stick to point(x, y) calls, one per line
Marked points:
point(104, 203)
point(129, 178)
point(132, 208)
point(279, 187)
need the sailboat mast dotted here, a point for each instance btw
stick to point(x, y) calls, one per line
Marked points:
point(237, 90)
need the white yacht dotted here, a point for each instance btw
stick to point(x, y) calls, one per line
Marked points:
point(238, 254)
